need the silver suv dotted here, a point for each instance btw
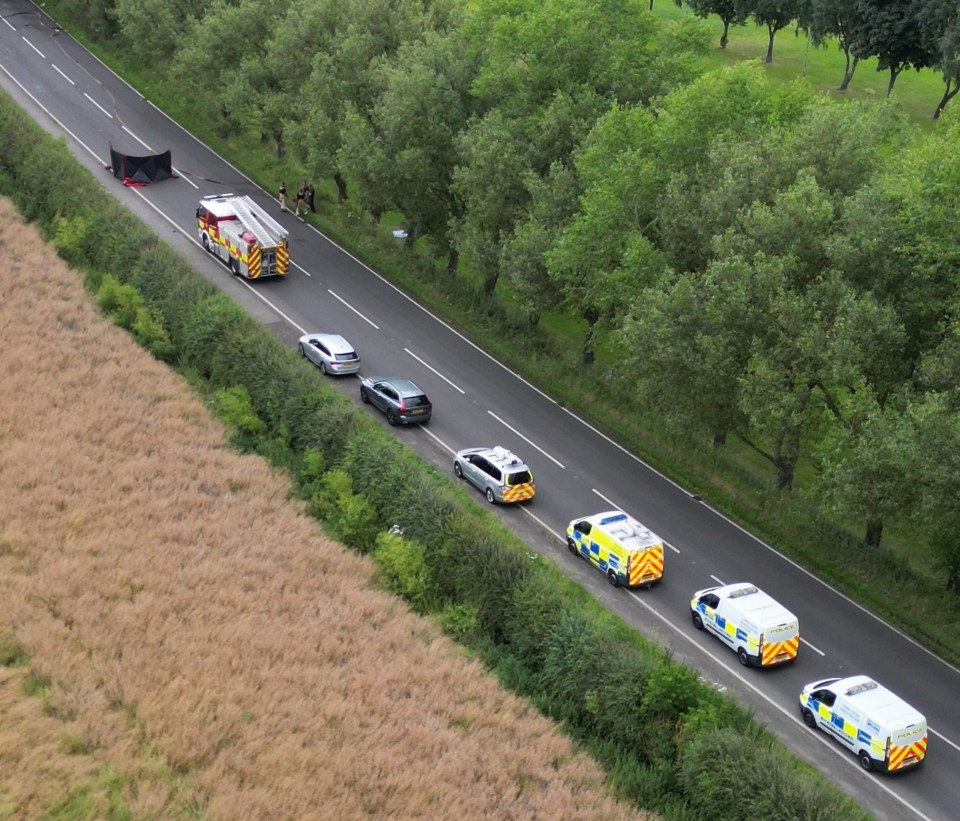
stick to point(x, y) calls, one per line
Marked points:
point(501, 475)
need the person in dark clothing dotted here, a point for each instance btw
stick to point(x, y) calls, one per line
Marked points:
point(283, 196)
point(310, 195)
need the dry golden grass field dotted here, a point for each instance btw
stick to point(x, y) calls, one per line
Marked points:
point(194, 647)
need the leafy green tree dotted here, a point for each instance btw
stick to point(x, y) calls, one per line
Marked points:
point(940, 27)
point(553, 201)
point(730, 12)
point(775, 15)
point(890, 30)
point(868, 459)
point(341, 45)
point(210, 57)
point(152, 28)
point(416, 118)
point(938, 513)
point(823, 19)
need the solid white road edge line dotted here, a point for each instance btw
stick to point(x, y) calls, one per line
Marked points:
point(528, 441)
point(428, 367)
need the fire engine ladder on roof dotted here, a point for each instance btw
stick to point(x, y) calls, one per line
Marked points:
point(251, 216)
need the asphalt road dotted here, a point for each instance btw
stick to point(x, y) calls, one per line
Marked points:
point(477, 401)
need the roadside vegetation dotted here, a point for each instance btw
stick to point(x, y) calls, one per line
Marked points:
point(173, 585)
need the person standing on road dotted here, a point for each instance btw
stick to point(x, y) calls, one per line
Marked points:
point(283, 196)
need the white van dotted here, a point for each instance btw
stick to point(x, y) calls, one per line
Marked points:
point(761, 631)
point(883, 730)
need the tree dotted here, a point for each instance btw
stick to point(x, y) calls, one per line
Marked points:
point(340, 45)
point(867, 460)
point(890, 30)
point(730, 12)
point(775, 15)
point(823, 19)
point(940, 25)
point(424, 105)
point(553, 201)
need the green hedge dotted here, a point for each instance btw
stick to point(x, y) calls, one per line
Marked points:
point(669, 742)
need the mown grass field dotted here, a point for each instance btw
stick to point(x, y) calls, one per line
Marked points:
point(178, 641)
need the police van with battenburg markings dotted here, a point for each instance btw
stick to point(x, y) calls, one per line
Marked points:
point(619, 546)
point(883, 730)
point(760, 630)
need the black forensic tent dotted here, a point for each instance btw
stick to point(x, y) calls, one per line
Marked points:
point(141, 170)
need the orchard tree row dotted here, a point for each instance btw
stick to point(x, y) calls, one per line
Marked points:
point(771, 266)
point(901, 34)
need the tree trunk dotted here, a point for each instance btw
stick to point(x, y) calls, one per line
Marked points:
point(719, 438)
point(453, 261)
point(784, 473)
point(948, 95)
point(375, 215)
point(770, 45)
point(724, 38)
point(894, 73)
point(848, 72)
point(281, 149)
point(588, 354)
point(874, 533)
point(490, 280)
point(341, 187)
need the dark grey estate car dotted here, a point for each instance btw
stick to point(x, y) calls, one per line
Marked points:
point(400, 399)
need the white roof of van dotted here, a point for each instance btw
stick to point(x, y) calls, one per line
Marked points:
point(753, 601)
point(877, 702)
point(625, 529)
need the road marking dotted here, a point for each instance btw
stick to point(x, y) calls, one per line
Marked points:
point(65, 77)
point(300, 268)
point(674, 549)
point(136, 137)
point(97, 105)
point(25, 40)
point(529, 442)
point(185, 179)
point(438, 440)
point(943, 738)
point(428, 367)
point(821, 737)
point(815, 649)
point(543, 524)
point(608, 501)
point(53, 117)
point(9, 24)
point(348, 305)
point(716, 579)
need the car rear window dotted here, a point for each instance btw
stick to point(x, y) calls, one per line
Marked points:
point(520, 478)
point(416, 401)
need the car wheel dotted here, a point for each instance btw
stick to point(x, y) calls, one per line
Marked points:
point(809, 720)
point(457, 470)
point(206, 244)
point(323, 368)
point(363, 397)
point(613, 578)
point(234, 267)
point(865, 761)
point(742, 655)
point(572, 546)
point(392, 417)
point(303, 353)
point(697, 621)
point(490, 497)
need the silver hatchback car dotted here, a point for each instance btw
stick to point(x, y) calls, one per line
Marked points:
point(331, 353)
